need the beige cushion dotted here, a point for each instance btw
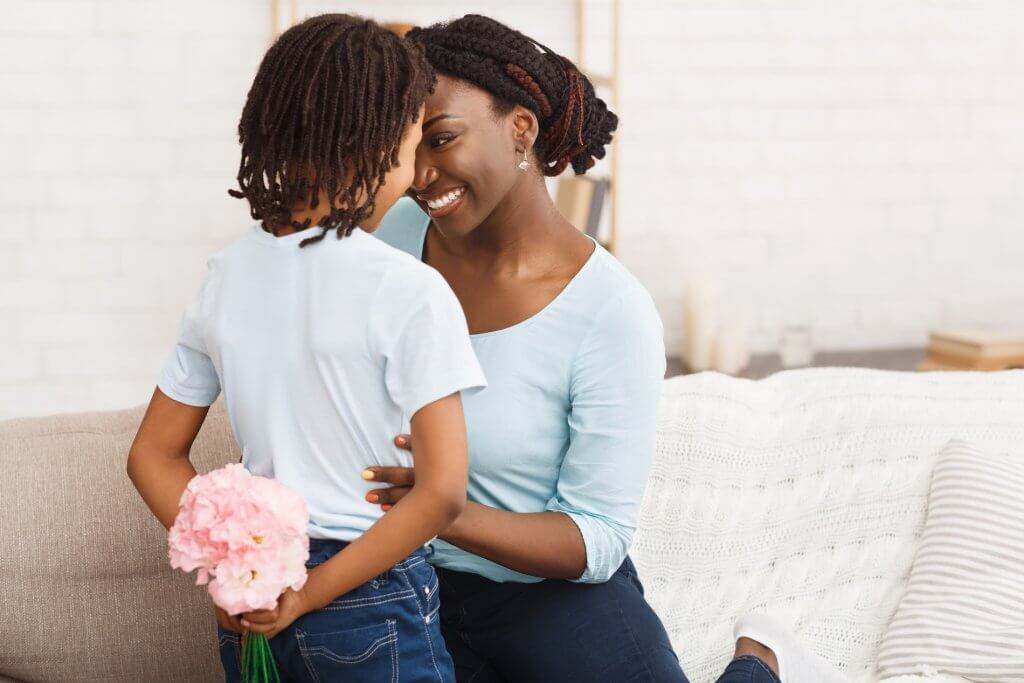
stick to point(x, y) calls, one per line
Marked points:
point(86, 591)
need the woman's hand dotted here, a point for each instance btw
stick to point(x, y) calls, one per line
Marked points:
point(290, 606)
point(401, 479)
point(511, 539)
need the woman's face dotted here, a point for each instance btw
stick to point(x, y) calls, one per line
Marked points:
point(466, 162)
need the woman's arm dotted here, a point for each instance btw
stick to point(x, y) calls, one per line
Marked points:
point(158, 462)
point(544, 544)
point(586, 528)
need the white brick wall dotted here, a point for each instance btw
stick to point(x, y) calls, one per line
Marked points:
point(117, 124)
point(859, 166)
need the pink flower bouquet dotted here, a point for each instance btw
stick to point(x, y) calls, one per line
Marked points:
point(247, 537)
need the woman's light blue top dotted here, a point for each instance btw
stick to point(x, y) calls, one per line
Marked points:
point(567, 420)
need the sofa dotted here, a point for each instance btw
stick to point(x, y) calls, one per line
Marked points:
point(801, 495)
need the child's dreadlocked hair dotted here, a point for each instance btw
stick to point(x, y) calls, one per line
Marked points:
point(327, 112)
point(575, 125)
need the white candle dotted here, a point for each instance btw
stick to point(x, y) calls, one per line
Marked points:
point(732, 350)
point(701, 325)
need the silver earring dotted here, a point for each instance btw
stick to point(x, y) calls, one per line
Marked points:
point(525, 163)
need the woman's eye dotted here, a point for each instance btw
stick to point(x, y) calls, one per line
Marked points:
point(441, 140)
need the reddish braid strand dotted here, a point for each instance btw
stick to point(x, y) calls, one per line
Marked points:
point(523, 78)
point(575, 124)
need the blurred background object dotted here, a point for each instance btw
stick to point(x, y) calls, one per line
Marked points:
point(966, 349)
point(796, 345)
point(858, 167)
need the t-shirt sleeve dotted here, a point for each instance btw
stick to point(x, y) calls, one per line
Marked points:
point(424, 339)
point(189, 375)
point(616, 382)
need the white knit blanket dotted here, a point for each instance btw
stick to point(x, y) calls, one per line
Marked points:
point(802, 496)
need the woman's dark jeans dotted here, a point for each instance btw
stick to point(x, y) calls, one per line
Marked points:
point(554, 630)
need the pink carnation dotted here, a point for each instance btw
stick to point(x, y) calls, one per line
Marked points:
point(246, 535)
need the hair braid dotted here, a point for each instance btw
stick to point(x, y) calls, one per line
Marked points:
point(575, 124)
point(327, 112)
point(523, 78)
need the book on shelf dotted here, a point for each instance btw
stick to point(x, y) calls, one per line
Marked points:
point(573, 200)
point(973, 343)
point(930, 363)
point(597, 206)
point(581, 200)
point(941, 361)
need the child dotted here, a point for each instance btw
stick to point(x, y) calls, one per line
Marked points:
point(325, 348)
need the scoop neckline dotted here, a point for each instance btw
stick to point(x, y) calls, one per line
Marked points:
point(530, 320)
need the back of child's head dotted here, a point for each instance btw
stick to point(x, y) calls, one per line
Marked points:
point(325, 116)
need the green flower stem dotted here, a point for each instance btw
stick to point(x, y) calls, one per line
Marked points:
point(258, 664)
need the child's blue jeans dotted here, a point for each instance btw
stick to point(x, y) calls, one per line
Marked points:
point(386, 630)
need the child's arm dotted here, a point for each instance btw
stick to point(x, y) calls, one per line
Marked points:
point(159, 467)
point(442, 469)
point(158, 461)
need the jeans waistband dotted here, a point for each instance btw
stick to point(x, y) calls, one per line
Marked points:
point(324, 548)
point(326, 544)
point(463, 584)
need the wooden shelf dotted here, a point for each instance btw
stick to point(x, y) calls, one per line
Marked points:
point(765, 364)
point(610, 81)
point(600, 80)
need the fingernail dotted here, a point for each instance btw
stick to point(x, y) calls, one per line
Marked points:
point(385, 508)
point(400, 441)
point(367, 474)
point(372, 497)
point(245, 623)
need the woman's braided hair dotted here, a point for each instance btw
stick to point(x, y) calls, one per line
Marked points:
point(575, 124)
point(327, 111)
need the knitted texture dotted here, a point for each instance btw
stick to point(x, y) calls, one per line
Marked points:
point(802, 496)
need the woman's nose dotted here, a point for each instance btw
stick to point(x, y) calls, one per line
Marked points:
point(425, 175)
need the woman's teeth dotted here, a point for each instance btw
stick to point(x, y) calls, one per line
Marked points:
point(445, 200)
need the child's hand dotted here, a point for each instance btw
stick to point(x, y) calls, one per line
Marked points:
point(270, 622)
point(228, 622)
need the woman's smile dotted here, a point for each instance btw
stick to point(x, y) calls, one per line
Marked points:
point(444, 204)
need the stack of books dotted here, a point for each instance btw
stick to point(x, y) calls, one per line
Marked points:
point(970, 349)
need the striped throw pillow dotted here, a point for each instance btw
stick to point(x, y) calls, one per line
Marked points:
point(963, 610)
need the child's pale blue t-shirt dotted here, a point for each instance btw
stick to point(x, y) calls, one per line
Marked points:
point(568, 418)
point(324, 353)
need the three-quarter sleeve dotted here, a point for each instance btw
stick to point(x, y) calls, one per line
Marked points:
point(616, 381)
point(189, 375)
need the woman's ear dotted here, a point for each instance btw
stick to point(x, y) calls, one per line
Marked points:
point(525, 128)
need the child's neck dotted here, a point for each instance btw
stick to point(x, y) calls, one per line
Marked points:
point(300, 216)
point(302, 213)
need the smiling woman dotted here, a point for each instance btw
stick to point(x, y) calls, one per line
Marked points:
point(535, 580)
